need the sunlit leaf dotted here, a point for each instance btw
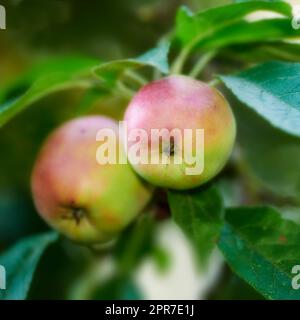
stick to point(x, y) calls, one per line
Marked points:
point(157, 58)
point(262, 248)
point(57, 75)
point(272, 90)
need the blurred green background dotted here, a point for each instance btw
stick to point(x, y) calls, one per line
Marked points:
point(40, 30)
point(104, 30)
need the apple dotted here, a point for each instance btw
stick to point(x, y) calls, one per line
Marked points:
point(86, 201)
point(171, 106)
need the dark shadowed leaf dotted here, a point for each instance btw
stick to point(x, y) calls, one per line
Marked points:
point(270, 155)
point(117, 288)
point(135, 243)
point(20, 263)
point(199, 213)
point(244, 32)
point(263, 51)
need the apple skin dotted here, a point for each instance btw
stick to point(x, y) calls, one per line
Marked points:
point(85, 201)
point(184, 103)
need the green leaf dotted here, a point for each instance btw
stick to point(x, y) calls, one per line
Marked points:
point(89, 99)
point(262, 249)
point(199, 213)
point(231, 191)
point(272, 90)
point(239, 1)
point(263, 51)
point(117, 288)
point(20, 263)
point(157, 58)
point(244, 32)
point(191, 28)
point(56, 75)
point(134, 244)
point(268, 155)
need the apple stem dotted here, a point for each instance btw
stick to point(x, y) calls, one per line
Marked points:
point(124, 90)
point(214, 82)
point(201, 63)
point(135, 77)
point(180, 60)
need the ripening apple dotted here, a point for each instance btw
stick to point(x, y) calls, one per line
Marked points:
point(196, 129)
point(86, 201)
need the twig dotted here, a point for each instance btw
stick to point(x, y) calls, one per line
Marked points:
point(201, 64)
